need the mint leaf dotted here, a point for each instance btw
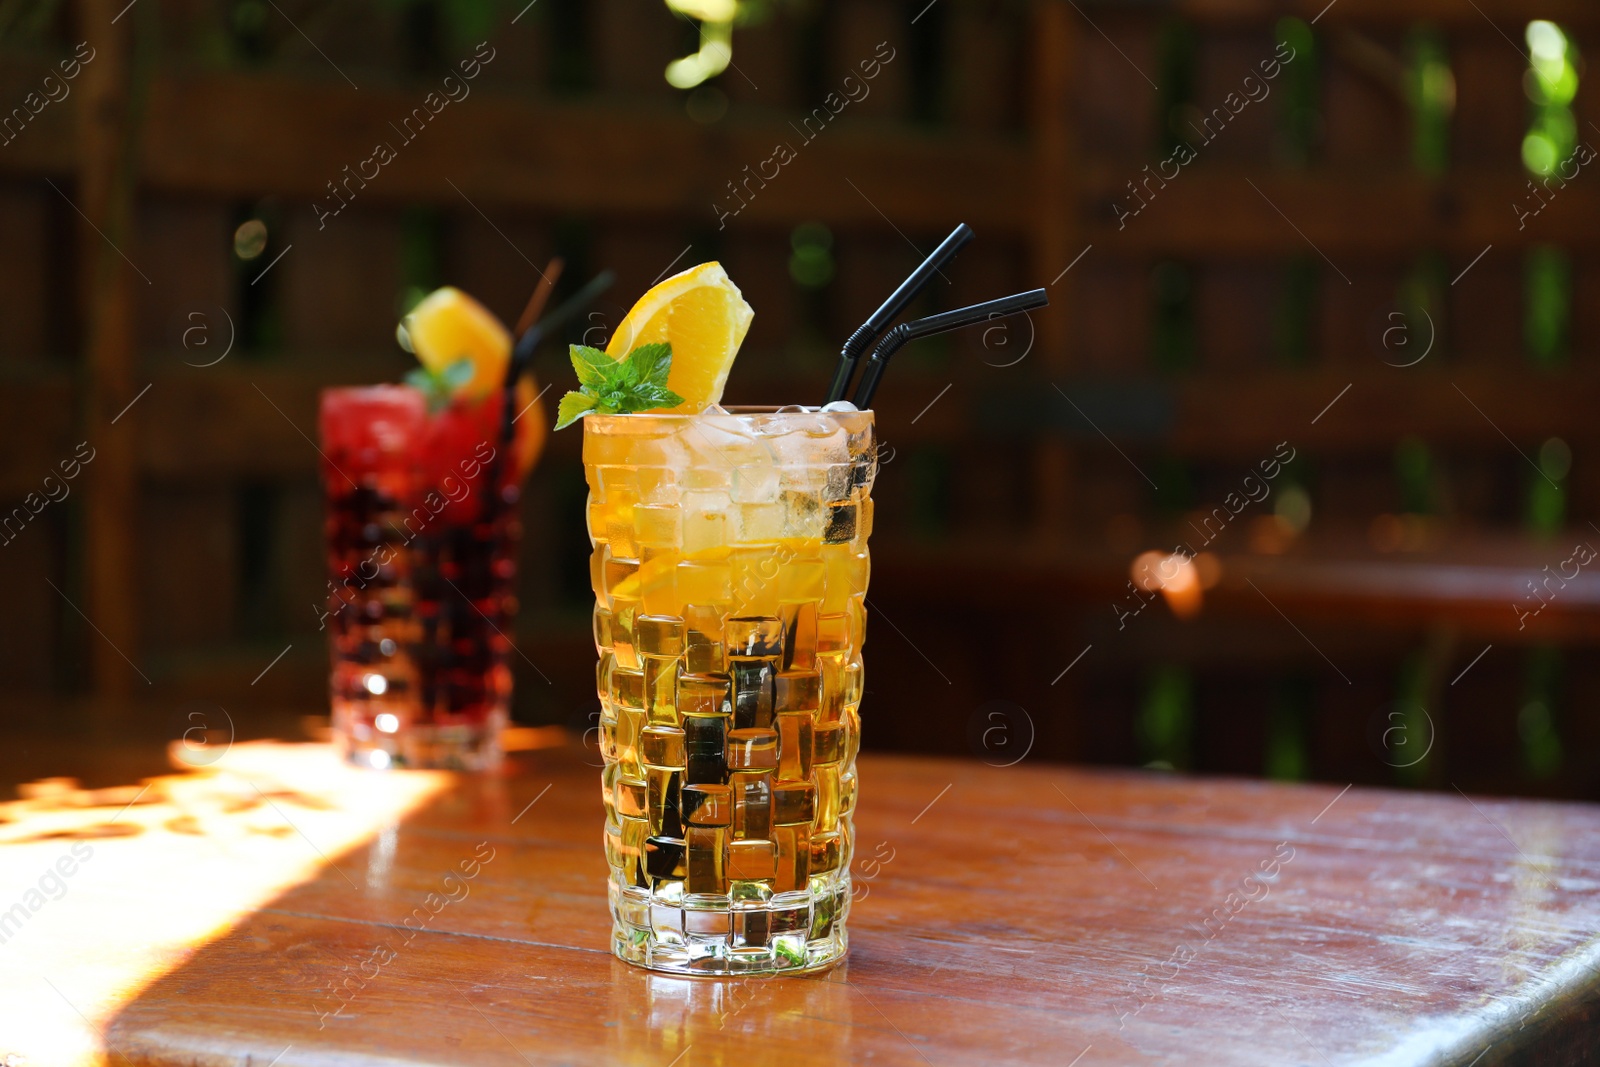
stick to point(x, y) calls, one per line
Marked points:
point(441, 387)
point(573, 407)
point(594, 367)
point(656, 396)
point(609, 386)
point(458, 374)
point(650, 363)
point(435, 390)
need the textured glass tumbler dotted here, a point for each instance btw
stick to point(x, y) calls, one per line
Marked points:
point(730, 574)
point(421, 565)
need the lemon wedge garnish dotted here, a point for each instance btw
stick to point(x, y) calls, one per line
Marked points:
point(448, 326)
point(702, 314)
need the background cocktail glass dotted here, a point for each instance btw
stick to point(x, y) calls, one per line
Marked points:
point(421, 532)
point(730, 572)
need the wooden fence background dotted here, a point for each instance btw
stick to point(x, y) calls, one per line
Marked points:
point(1245, 306)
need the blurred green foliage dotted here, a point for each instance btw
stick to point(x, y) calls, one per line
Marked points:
point(1421, 298)
point(1547, 306)
point(1166, 719)
point(1288, 756)
point(421, 256)
point(1551, 84)
point(1175, 62)
point(1536, 722)
point(1431, 87)
point(462, 23)
point(1299, 93)
point(1418, 477)
point(1415, 728)
point(1547, 490)
point(24, 22)
point(811, 255)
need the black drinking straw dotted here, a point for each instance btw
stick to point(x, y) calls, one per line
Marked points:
point(521, 357)
point(868, 331)
point(949, 320)
point(532, 311)
point(533, 337)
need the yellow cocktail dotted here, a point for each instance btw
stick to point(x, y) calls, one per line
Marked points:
point(730, 571)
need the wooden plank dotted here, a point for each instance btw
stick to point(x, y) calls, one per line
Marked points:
point(985, 46)
point(188, 567)
point(1200, 416)
point(47, 144)
point(253, 421)
point(1449, 407)
point(27, 288)
point(1212, 211)
point(104, 197)
point(261, 421)
point(1057, 234)
point(32, 624)
point(1336, 588)
point(43, 401)
point(230, 134)
point(1473, 589)
point(570, 157)
point(1509, 15)
point(1013, 920)
point(235, 135)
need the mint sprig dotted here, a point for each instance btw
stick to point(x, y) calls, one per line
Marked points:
point(609, 386)
point(441, 386)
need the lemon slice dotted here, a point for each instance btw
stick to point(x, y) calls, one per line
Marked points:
point(532, 424)
point(702, 314)
point(448, 326)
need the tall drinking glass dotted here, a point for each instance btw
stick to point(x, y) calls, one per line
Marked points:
point(421, 532)
point(730, 574)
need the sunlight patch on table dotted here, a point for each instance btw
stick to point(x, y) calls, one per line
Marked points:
point(104, 891)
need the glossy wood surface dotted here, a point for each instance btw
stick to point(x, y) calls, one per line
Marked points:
point(1021, 914)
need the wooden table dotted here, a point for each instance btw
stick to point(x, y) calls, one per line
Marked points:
point(1024, 914)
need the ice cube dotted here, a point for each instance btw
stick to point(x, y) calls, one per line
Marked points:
point(706, 479)
point(704, 529)
point(804, 515)
point(658, 485)
point(808, 445)
point(654, 449)
point(755, 483)
point(840, 405)
point(840, 479)
point(722, 442)
point(810, 480)
point(705, 509)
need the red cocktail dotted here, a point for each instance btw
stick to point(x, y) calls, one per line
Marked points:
point(422, 531)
